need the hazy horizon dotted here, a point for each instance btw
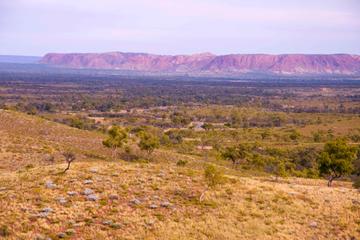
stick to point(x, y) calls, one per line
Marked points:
point(37, 27)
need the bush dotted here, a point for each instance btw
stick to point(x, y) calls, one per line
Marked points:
point(4, 231)
point(181, 163)
point(213, 176)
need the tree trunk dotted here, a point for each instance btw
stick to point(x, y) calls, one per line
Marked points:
point(67, 168)
point(114, 153)
point(331, 179)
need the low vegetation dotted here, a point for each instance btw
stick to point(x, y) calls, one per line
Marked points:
point(156, 159)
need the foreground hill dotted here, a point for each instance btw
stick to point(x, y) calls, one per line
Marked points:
point(289, 64)
point(99, 198)
point(27, 141)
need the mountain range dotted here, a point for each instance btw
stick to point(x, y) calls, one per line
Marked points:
point(207, 63)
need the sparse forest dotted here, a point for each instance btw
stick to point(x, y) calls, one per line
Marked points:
point(171, 149)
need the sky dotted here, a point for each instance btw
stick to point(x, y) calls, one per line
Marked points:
point(36, 27)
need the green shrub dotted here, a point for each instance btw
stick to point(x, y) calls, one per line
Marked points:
point(181, 163)
point(213, 175)
point(4, 231)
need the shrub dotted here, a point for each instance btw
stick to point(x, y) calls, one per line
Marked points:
point(235, 154)
point(148, 142)
point(213, 176)
point(181, 163)
point(116, 139)
point(4, 231)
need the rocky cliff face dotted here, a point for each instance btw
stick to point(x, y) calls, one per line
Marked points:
point(209, 63)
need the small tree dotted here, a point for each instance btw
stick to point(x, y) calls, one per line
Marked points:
point(235, 154)
point(213, 175)
point(277, 167)
point(148, 142)
point(207, 126)
point(69, 158)
point(265, 134)
point(294, 135)
point(116, 139)
point(336, 160)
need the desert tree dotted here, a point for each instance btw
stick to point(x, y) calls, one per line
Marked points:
point(236, 154)
point(207, 126)
point(116, 139)
point(69, 158)
point(336, 160)
point(148, 142)
point(277, 167)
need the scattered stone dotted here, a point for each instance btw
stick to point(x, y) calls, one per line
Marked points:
point(161, 175)
point(47, 210)
point(61, 235)
point(88, 191)
point(44, 212)
point(165, 204)
point(153, 206)
point(150, 222)
point(50, 185)
point(61, 200)
point(72, 193)
point(356, 202)
point(156, 197)
point(113, 197)
point(115, 225)
point(2, 189)
point(135, 201)
point(40, 237)
point(107, 222)
point(42, 215)
point(313, 224)
point(70, 231)
point(92, 197)
point(93, 170)
point(88, 181)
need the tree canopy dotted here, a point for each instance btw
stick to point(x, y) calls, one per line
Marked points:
point(336, 160)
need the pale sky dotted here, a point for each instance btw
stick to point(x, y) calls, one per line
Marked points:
point(35, 27)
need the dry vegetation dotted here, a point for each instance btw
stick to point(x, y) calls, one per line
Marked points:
point(158, 200)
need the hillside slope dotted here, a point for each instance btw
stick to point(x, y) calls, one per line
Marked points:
point(30, 141)
point(290, 64)
point(103, 199)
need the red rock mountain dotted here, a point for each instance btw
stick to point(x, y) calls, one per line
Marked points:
point(212, 64)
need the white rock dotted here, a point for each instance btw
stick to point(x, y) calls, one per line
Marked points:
point(92, 197)
point(88, 181)
point(88, 191)
point(313, 224)
point(72, 193)
point(50, 185)
point(153, 206)
point(135, 201)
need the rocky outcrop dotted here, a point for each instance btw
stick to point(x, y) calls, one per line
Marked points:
point(212, 64)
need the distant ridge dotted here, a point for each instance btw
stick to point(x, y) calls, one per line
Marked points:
point(284, 64)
